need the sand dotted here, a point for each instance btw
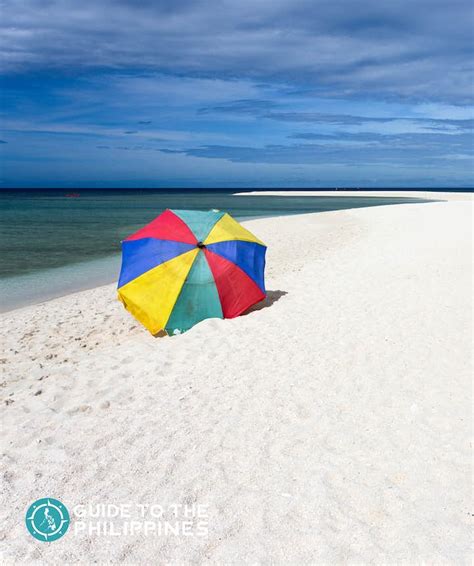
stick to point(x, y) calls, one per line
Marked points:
point(331, 424)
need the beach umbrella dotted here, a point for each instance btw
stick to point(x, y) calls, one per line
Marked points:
point(186, 266)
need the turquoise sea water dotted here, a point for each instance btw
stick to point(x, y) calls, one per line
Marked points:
point(52, 243)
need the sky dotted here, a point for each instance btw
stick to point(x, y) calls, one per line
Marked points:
point(247, 93)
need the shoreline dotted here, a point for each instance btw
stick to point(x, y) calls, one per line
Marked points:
point(105, 264)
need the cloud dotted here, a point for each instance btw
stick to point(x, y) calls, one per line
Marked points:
point(338, 119)
point(258, 108)
point(420, 150)
point(425, 141)
point(253, 107)
point(165, 150)
point(404, 49)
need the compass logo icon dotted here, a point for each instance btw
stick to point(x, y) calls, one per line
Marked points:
point(47, 519)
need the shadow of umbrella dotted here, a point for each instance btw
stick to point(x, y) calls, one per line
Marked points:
point(272, 297)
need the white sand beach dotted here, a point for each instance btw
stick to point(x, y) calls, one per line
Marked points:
point(331, 424)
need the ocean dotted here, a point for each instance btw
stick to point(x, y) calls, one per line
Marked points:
point(53, 242)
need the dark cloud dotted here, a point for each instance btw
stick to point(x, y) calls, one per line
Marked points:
point(421, 150)
point(417, 49)
point(252, 107)
point(144, 122)
point(258, 108)
point(3, 141)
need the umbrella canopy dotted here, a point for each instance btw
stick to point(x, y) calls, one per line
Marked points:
point(189, 265)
